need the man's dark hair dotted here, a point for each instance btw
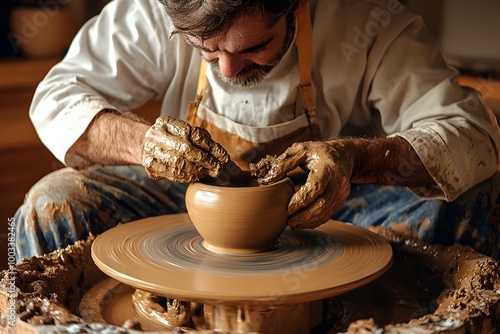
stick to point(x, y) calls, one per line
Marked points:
point(207, 18)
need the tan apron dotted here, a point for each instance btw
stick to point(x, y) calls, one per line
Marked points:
point(243, 151)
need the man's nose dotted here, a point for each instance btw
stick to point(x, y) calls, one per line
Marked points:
point(230, 65)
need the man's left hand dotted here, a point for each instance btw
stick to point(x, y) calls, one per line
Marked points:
point(329, 165)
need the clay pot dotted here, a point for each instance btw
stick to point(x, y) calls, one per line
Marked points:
point(245, 219)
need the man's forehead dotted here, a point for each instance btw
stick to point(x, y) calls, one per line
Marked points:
point(242, 36)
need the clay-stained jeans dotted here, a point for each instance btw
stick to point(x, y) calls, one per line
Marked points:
point(67, 205)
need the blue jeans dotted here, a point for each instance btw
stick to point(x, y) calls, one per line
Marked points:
point(68, 205)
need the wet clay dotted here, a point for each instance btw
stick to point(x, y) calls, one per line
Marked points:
point(239, 219)
point(321, 194)
point(171, 314)
point(429, 289)
point(114, 303)
point(183, 153)
point(50, 287)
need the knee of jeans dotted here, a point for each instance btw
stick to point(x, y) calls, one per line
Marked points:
point(46, 216)
point(58, 187)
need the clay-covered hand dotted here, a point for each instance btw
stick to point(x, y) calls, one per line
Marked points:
point(329, 165)
point(175, 150)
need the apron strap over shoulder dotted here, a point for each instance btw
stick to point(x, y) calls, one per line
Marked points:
point(202, 82)
point(304, 46)
point(200, 94)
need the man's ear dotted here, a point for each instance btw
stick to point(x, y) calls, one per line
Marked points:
point(300, 5)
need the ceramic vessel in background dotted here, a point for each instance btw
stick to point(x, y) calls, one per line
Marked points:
point(238, 220)
point(41, 32)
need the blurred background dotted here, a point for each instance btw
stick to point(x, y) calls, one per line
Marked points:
point(35, 34)
point(469, 34)
point(42, 28)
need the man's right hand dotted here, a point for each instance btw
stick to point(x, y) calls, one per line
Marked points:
point(180, 152)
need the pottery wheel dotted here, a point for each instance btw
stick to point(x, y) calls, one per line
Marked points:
point(165, 255)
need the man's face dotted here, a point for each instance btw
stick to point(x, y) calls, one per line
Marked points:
point(249, 50)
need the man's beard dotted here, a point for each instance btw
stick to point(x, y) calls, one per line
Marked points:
point(252, 74)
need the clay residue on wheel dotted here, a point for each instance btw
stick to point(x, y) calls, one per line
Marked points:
point(429, 289)
point(50, 287)
point(170, 314)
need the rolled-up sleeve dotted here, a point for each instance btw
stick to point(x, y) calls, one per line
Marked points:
point(455, 135)
point(114, 63)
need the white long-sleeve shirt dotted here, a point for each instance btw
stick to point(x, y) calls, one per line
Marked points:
point(376, 70)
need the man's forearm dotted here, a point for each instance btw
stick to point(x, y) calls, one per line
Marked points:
point(112, 139)
point(387, 161)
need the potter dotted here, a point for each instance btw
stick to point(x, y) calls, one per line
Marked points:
point(384, 139)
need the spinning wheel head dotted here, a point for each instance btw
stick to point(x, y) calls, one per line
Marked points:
point(167, 256)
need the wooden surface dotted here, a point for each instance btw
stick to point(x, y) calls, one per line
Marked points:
point(21, 73)
point(489, 88)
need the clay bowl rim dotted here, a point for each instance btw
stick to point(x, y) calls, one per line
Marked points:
point(240, 188)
